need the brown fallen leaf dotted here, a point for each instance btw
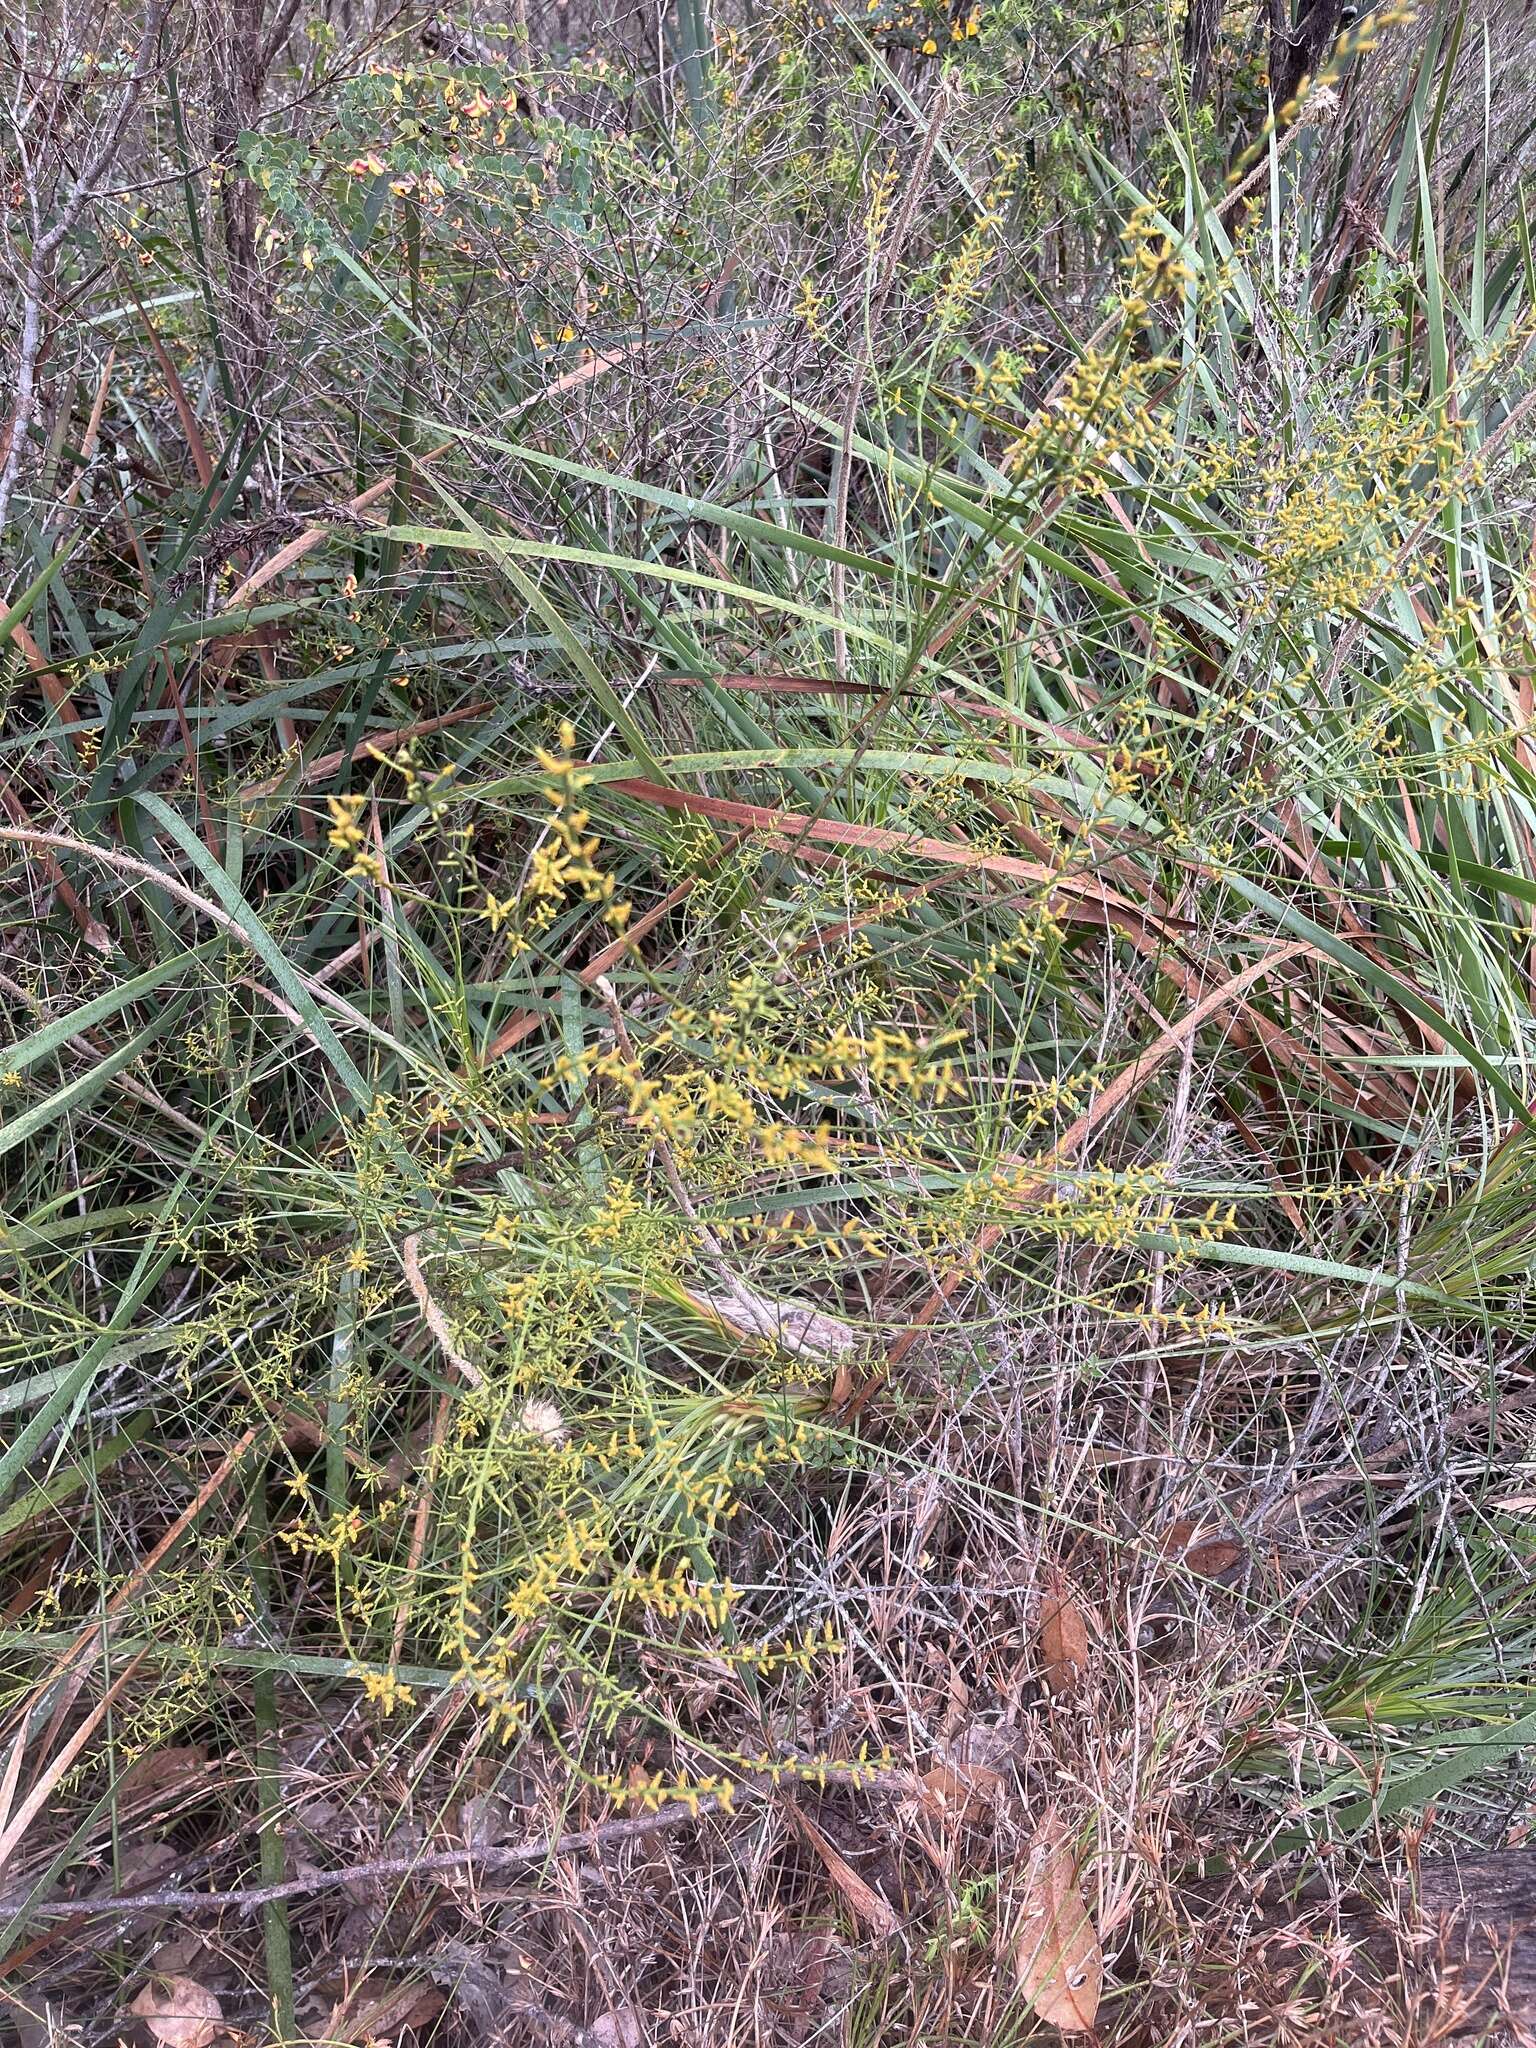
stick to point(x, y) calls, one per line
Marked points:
point(1063, 1636)
point(862, 1900)
point(178, 2012)
point(1202, 1550)
point(377, 2009)
point(164, 1772)
point(1056, 1956)
point(622, 2028)
point(970, 1770)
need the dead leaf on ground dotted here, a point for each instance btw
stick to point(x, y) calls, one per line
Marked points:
point(377, 2008)
point(1056, 1956)
point(971, 1770)
point(1064, 1649)
point(805, 1976)
point(178, 2012)
point(1205, 1551)
point(622, 2028)
point(173, 1766)
point(873, 1912)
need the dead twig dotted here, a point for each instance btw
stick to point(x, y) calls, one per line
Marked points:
point(48, 241)
point(438, 1862)
point(431, 1314)
point(606, 1834)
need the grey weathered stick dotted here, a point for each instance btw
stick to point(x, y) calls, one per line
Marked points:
point(513, 1856)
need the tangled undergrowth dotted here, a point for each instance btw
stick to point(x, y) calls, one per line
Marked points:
point(768, 1214)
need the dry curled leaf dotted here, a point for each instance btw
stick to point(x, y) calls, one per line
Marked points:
point(947, 1793)
point(1063, 1636)
point(1203, 1550)
point(622, 2028)
point(1057, 1958)
point(867, 1906)
point(377, 2008)
point(178, 2012)
point(970, 1770)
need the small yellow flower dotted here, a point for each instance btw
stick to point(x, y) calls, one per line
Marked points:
point(496, 910)
point(346, 834)
point(385, 1690)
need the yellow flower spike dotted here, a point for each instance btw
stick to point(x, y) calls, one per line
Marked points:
point(346, 833)
point(385, 1690)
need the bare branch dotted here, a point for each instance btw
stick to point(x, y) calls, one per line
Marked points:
point(47, 243)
